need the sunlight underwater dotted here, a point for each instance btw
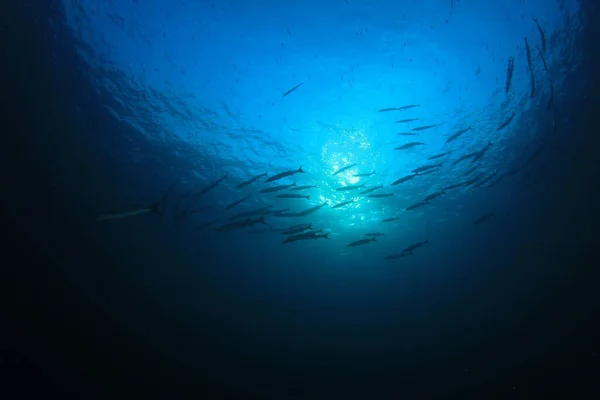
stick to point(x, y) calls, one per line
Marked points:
point(416, 118)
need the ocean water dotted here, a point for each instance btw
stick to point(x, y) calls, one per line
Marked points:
point(149, 114)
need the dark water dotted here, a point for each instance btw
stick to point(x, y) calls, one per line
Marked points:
point(152, 306)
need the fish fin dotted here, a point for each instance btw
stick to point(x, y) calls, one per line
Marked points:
point(308, 197)
point(300, 169)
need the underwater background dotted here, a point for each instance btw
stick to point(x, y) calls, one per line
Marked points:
point(444, 244)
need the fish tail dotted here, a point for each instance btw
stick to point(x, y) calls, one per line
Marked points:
point(155, 208)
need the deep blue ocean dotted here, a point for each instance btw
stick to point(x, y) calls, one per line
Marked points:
point(301, 199)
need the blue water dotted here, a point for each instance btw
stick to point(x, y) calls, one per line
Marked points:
point(184, 93)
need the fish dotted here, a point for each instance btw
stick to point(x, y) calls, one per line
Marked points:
point(390, 219)
point(306, 236)
point(531, 75)
point(210, 187)
point(361, 242)
point(250, 181)
point(404, 121)
point(403, 179)
point(250, 213)
point(434, 195)
point(485, 180)
point(206, 224)
point(417, 205)
point(241, 224)
point(284, 174)
point(288, 214)
point(375, 234)
point(397, 255)
point(304, 187)
point(544, 62)
point(399, 108)
point(480, 153)
point(372, 189)
point(343, 203)
point(528, 53)
point(506, 122)
point(364, 174)
point(536, 153)
point(297, 229)
point(408, 106)
point(412, 247)
point(154, 208)
point(458, 134)
point(464, 157)
point(235, 203)
point(409, 145)
point(126, 214)
point(277, 188)
point(454, 186)
point(380, 195)
point(431, 171)
point(551, 99)
point(499, 179)
point(512, 171)
point(473, 181)
point(542, 35)
point(302, 213)
point(287, 93)
point(472, 169)
point(484, 218)
point(440, 155)
point(184, 196)
point(425, 127)
point(292, 196)
point(313, 209)
point(509, 73)
point(275, 211)
point(347, 167)
point(426, 168)
point(349, 187)
point(503, 175)
point(199, 210)
point(408, 134)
